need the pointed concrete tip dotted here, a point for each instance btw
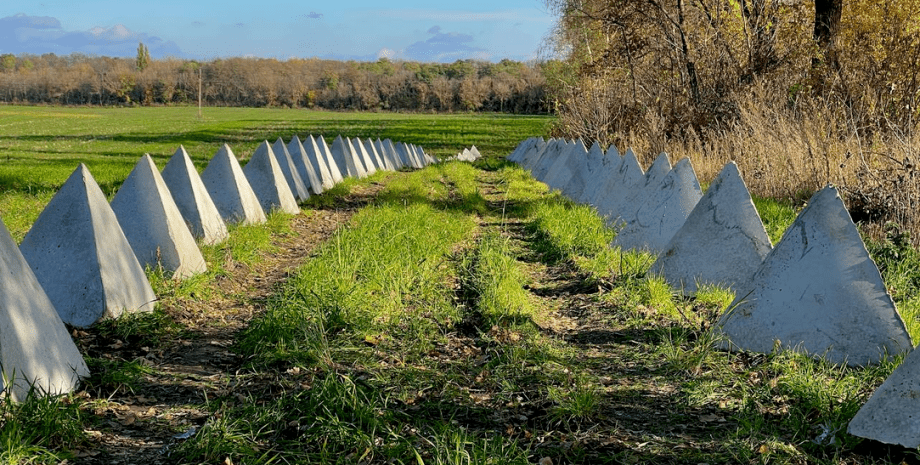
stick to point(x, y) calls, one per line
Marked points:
point(819, 292)
point(722, 242)
point(890, 415)
point(80, 255)
point(268, 182)
point(296, 183)
point(193, 200)
point(662, 211)
point(153, 224)
point(230, 190)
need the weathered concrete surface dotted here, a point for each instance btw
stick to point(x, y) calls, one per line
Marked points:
point(532, 155)
point(600, 172)
point(344, 152)
point(303, 166)
point(570, 160)
point(375, 155)
point(230, 190)
point(819, 292)
point(337, 170)
point(402, 151)
point(583, 170)
point(554, 150)
point(298, 185)
point(626, 207)
point(388, 158)
point(662, 212)
point(722, 242)
point(153, 224)
point(624, 181)
point(891, 414)
point(193, 200)
point(312, 156)
point(363, 156)
point(518, 153)
point(268, 183)
point(388, 150)
point(81, 258)
point(35, 347)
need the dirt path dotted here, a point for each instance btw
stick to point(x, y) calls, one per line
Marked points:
point(137, 421)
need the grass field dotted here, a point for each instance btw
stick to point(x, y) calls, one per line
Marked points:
point(460, 314)
point(41, 146)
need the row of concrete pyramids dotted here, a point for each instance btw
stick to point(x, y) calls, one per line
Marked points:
point(83, 259)
point(817, 291)
point(471, 154)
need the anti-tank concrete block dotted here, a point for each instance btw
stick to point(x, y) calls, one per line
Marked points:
point(193, 199)
point(891, 414)
point(268, 183)
point(623, 182)
point(363, 156)
point(153, 224)
point(818, 291)
point(662, 212)
point(722, 242)
point(297, 184)
point(624, 209)
point(337, 170)
point(230, 190)
point(81, 258)
point(35, 347)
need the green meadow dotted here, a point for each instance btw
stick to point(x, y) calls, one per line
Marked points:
point(458, 314)
point(41, 146)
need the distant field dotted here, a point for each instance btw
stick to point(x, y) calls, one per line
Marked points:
point(41, 146)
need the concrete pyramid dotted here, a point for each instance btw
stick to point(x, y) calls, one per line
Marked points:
point(620, 184)
point(529, 157)
point(35, 347)
point(192, 199)
point(345, 156)
point(268, 183)
point(80, 255)
point(230, 190)
point(553, 152)
point(315, 158)
point(518, 152)
point(402, 152)
point(375, 155)
point(890, 415)
point(475, 153)
point(662, 212)
point(386, 155)
point(153, 224)
point(572, 162)
point(819, 292)
point(362, 154)
point(296, 183)
point(629, 202)
point(395, 154)
point(722, 242)
point(599, 172)
point(581, 171)
point(303, 166)
point(338, 175)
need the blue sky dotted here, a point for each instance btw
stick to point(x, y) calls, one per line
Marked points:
point(360, 30)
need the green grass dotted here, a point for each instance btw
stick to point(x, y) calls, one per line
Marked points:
point(41, 146)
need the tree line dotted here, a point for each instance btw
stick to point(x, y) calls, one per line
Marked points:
point(466, 85)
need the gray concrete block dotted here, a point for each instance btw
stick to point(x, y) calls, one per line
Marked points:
point(375, 155)
point(891, 414)
point(722, 242)
point(298, 185)
point(582, 170)
point(662, 212)
point(311, 155)
point(599, 172)
point(153, 224)
point(345, 155)
point(337, 170)
point(818, 292)
point(35, 347)
point(363, 156)
point(303, 165)
point(193, 200)
point(81, 258)
point(230, 190)
point(267, 181)
point(613, 189)
point(388, 158)
point(625, 209)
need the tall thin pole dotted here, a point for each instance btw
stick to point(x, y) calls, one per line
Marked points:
point(199, 92)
